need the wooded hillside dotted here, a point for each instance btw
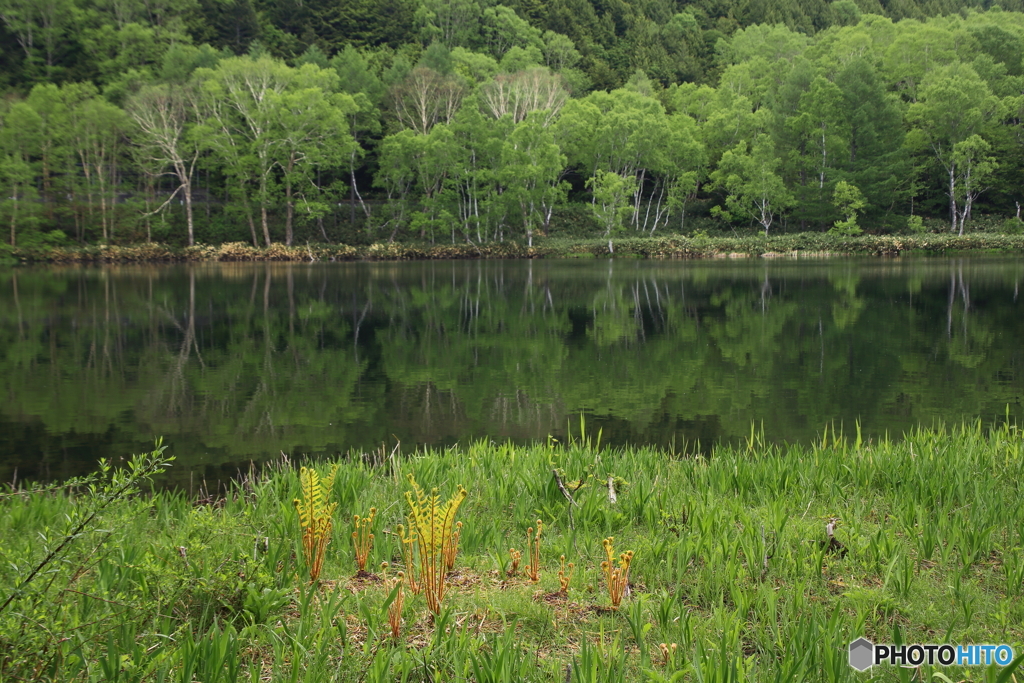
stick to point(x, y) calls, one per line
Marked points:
point(221, 120)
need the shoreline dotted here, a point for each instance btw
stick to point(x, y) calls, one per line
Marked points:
point(798, 245)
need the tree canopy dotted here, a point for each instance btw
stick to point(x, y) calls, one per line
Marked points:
point(276, 120)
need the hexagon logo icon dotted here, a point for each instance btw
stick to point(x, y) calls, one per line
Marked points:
point(862, 653)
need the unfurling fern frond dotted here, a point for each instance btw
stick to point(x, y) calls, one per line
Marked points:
point(433, 525)
point(315, 517)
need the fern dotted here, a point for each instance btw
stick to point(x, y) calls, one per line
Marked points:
point(362, 538)
point(533, 549)
point(617, 578)
point(409, 544)
point(433, 524)
point(315, 517)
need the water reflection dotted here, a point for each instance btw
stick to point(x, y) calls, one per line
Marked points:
point(239, 362)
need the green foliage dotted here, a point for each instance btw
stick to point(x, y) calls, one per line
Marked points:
point(752, 185)
point(1013, 226)
point(234, 110)
point(849, 201)
point(734, 570)
point(612, 195)
point(916, 225)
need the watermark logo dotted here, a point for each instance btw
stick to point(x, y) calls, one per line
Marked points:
point(864, 654)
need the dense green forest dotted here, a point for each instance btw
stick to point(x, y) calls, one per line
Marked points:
point(290, 120)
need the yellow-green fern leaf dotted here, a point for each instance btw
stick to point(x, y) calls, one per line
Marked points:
point(308, 506)
point(327, 483)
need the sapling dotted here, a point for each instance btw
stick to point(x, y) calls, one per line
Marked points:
point(848, 200)
point(122, 484)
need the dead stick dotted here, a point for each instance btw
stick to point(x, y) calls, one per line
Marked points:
point(561, 487)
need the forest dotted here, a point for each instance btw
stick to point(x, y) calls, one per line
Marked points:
point(297, 121)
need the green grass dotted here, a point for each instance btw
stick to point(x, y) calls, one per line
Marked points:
point(731, 564)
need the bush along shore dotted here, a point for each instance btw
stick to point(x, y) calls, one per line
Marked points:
point(553, 562)
point(668, 247)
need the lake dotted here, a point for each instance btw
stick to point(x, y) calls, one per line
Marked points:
point(233, 363)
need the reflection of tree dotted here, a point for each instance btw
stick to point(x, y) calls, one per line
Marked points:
point(970, 346)
point(17, 305)
point(847, 306)
point(179, 396)
point(234, 361)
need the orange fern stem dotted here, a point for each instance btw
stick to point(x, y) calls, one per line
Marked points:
point(452, 548)
point(617, 578)
point(409, 558)
point(395, 608)
point(362, 537)
point(516, 556)
point(533, 548)
point(563, 577)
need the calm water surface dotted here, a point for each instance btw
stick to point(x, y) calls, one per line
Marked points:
point(239, 362)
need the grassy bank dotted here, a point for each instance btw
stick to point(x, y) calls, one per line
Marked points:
point(733, 569)
point(669, 247)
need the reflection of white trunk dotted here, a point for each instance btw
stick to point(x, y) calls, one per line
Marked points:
point(965, 289)
point(821, 342)
point(14, 215)
point(952, 198)
point(17, 305)
point(766, 291)
point(175, 404)
point(949, 305)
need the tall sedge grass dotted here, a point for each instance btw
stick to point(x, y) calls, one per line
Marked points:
point(732, 563)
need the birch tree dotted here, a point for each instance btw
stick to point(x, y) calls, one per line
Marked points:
point(752, 183)
point(163, 116)
point(240, 111)
point(312, 133)
point(955, 104)
point(425, 98)
point(97, 136)
point(975, 168)
point(531, 170)
point(519, 94)
point(19, 142)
